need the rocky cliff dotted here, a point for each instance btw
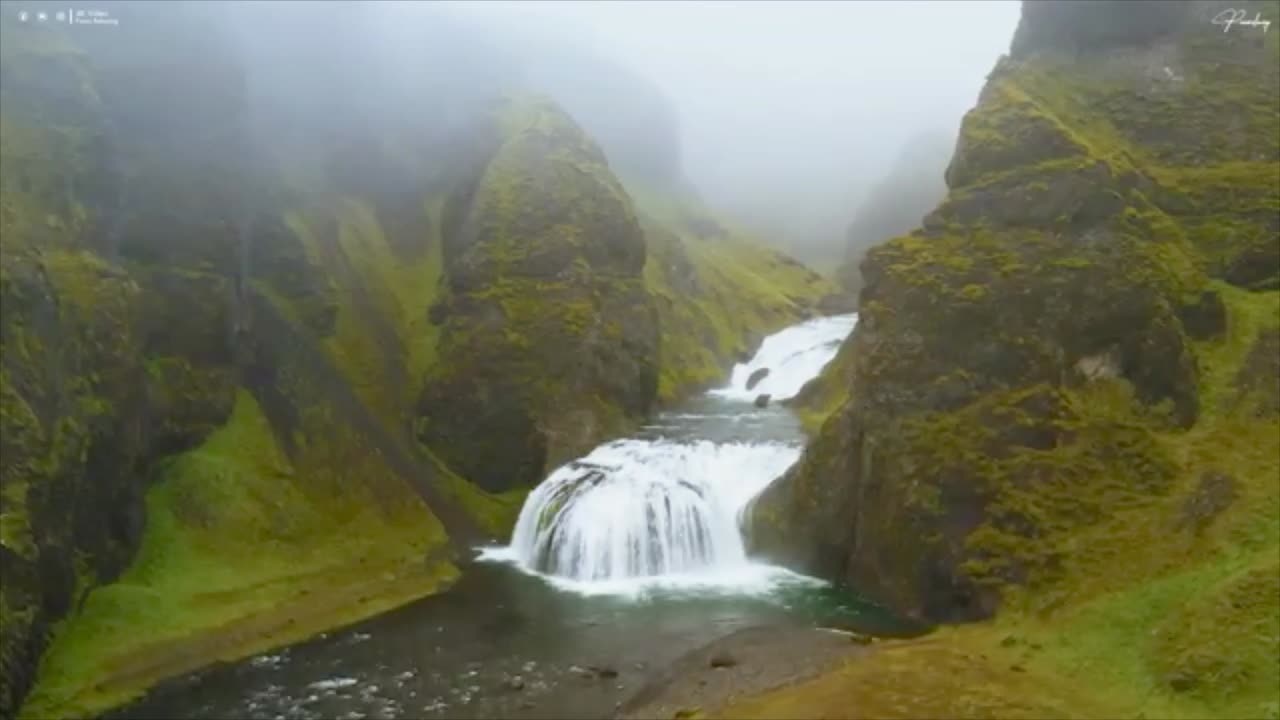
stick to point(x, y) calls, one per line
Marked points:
point(549, 340)
point(268, 344)
point(1059, 396)
point(165, 332)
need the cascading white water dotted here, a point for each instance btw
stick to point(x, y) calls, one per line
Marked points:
point(670, 507)
point(793, 357)
point(639, 508)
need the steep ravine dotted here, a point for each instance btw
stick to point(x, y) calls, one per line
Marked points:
point(223, 395)
point(576, 615)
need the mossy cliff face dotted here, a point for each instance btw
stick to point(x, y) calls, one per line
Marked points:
point(718, 292)
point(548, 341)
point(1058, 406)
point(189, 385)
point(94, 380)
point(1030, 367)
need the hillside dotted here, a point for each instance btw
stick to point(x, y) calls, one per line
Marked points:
point(1057, 418)
point(242, 381)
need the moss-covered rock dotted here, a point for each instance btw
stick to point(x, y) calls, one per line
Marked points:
point(548, 340)
point(1058, 407)
point(1023, 359)
point(150, 283)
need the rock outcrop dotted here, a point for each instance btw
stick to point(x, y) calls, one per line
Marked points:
point(1027, 363)
point(549, 340)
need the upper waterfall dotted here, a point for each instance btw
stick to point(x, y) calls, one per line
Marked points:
point(793, 357)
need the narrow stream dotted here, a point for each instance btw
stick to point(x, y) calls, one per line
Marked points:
point(621, 562)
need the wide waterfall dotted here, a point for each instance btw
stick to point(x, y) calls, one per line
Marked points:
point(669, 503)
point(635, 507)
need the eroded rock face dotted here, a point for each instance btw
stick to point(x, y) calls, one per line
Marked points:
point(98, 378)
point(550, 341)
point(136, 217)
point(1068, 263)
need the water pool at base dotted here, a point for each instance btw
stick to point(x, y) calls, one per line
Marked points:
point(622, 561)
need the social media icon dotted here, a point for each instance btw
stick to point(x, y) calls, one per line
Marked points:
point(42, 16)
point(61, 16)
point(24, 16)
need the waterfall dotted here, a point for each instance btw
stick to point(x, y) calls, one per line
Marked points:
point(634, 508)
point(672, 506)
point(793, 357)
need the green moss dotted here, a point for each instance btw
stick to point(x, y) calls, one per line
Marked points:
point(383, 340)
point(547, 203)
point(1221, 359)
point(823, 395)
point(1157, 614)
point(957, 673)
point(235, 533)
point(22, 438)
point(1125, 537)
point(715, 294)
point(548, 342)
point(495, 513)
point(1222, 646)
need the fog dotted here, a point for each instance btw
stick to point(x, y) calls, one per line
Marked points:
point(789, 112)
point(781, 115)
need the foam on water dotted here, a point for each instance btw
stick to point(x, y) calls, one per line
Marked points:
point(635, 508)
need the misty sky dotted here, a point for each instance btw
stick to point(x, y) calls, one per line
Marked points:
point(795, 104)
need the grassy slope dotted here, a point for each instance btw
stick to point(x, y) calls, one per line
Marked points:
point(244, 550)
point(241, 552)
point(399, 290)
point(741, 291)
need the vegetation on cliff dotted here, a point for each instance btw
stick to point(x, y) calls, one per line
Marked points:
point(256, 391)
point(718, 293)
point(1059, 406)
point(547, 338)
point(130, 332)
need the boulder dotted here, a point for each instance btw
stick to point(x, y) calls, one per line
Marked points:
point(756, 376)
point(762, 401)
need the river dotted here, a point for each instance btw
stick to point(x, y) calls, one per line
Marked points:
point(621, 562)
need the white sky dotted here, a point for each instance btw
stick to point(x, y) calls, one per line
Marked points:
point(797, 102)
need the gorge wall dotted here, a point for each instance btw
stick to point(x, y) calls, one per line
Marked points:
point(278, 349)
point(1061, 389)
